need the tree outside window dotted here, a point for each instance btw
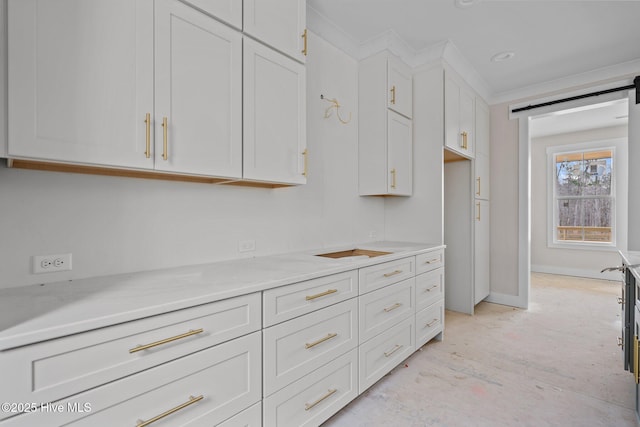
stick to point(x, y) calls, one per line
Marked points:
point(583, 196)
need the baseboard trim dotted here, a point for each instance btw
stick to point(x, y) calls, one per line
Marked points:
point(577, 272)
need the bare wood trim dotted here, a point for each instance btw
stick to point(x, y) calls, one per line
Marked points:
point(106, 171)
point(354, 252)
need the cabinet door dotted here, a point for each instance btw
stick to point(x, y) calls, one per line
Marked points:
point(278, 23)
point(400, 154)
point(229, 11)
point(482, 249)
point(198, 93)
point(482, 158)
point(459, 117)
point(274, 116)
point(467, 122)
point(400, 88)
point(80, 81)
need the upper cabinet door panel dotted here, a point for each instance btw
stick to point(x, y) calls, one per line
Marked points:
point(400, 90)
point(229, 11)
point(198, 91)
point(400, 155)
point(274, 118)
point(80, 80)
point(278, 23)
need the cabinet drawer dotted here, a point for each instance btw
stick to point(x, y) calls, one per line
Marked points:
point(382, 353)
point(296, 347)
point(313, 399)
point(55, 369)
point(429, 288)
point(385, 307)
point(429, 261)
point(250, 417)
point(380, 275)
point(291, 301)
point(429, 323)
point(227, 376)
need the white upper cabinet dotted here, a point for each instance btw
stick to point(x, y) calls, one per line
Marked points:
point(400, 88)
point(229, 11)
point(80, 81)
point(399, 157)
point(459, 117)
point(385, 137)
point(278, 23)
point(274, 116)
point(198, 114)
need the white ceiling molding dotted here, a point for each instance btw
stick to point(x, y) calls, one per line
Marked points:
point(326, 29)
point(469, 74)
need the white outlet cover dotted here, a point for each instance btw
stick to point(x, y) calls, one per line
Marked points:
point(51, 263)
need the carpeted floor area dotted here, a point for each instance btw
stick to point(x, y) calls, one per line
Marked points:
point(555, 364)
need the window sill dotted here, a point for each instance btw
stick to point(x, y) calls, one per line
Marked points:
point(591, 246)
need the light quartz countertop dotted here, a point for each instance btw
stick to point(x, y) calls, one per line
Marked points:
point(35, 313)
point(631, 258)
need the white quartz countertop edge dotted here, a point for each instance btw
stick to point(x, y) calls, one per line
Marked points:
point(36, 313)
point(631, 258)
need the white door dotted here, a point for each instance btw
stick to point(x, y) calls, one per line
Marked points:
point(452, 115)
point(482, 249)
point(400, 155)
point(482, 159)
point(278, 23)
point(274, 116)
point(198, 115)
point(467, 122)
point(81, 81)
point(400, 88)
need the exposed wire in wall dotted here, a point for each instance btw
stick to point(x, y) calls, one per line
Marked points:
point(334, 106)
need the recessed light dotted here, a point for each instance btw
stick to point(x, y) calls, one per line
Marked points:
point(463, 4)
point(503, 56)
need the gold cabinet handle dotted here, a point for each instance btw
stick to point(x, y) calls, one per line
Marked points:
point(166, 340)
point(393, 95)
point(393, 273)
point(165, 138)
point(393, 178)
point(396, 348)
point(305, 155)
point(304, 42)
point(430, 288)
point(321, 294)
point(431, 261)
point(147, 121)
point(620, 343)
point(478, 192)
point(308, 406)
point(393, 307)
point(464, 140)
point(321, 340)
point(478, 217)
point(434, 321)
point(191, 401)
point(620, 300)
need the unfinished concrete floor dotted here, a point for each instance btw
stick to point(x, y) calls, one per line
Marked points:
point(555, 364)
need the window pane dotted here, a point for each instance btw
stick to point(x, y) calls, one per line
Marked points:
point(569, 180)
point(570, 219)
point(587, 219)
point(597, 173)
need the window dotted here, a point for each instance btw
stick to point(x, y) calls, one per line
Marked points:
point(583, 202)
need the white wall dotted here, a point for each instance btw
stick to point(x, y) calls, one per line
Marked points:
point(584, 263)
point(116, 225)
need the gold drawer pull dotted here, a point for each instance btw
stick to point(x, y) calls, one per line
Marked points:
point(165, 139)
point(434, 321)
point(620, 301)
point(393, 95)
point(191, 401)
point(431, 261)
point(396, 348)
point(464, 140)
point(304, 40)
point(305, 155)
point(393, 177)
point(166, 340)
point(322, 294)
point(308, 406)
point(620, 342)
point(393, 307)
point(432, 287)
point(147, 121)
point(321, 340)
point(393, 273)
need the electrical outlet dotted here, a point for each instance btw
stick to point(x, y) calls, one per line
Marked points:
point(246, 245)
point(373, 234)
point(51, 263)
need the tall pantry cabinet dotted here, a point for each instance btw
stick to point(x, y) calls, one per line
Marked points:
point(160, 86)
point(481, 195)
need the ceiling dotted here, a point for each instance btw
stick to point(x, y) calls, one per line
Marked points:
point(551, 39)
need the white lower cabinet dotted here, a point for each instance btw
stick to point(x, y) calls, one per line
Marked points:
point(381, 354)
point(385, 307)
point(313, 399)
point(429, 323)
point(294, 348)
point(250, 417)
